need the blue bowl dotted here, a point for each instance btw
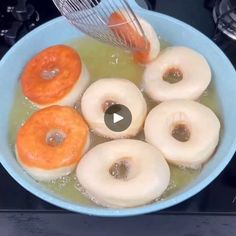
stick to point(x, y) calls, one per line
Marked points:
point(177, 33)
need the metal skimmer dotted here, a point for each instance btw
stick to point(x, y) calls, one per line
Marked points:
point(92, 18)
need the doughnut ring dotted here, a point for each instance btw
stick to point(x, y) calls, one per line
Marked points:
point(123, 173)
point(109, 91)
point(186, 132)
point(51, 142)
point(128, 32)
point(177, 73)
point(55, 76)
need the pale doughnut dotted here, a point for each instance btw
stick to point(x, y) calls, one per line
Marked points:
point(196, 75)
point(119, 91)
point(199, 123)
point(145, 177)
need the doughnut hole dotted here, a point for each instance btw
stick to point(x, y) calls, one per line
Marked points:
point(173, 75)
point(181, 132)
point(107, 104)
point(55, 137)
point(123, 169)
point(50, 72)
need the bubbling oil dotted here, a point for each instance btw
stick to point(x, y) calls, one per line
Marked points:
point(105, 61)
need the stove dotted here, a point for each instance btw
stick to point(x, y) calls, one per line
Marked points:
point(215, 18)
point(224, 14)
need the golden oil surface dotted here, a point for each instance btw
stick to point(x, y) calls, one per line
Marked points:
point(104, 61)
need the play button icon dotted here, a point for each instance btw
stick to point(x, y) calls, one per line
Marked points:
point(118, 118)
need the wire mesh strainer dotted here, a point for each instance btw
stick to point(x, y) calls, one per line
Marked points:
point(93, 17)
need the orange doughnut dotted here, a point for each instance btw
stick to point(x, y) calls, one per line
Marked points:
point(51, 75)
point(119, 23)
point(51, 142)
point(126, 31)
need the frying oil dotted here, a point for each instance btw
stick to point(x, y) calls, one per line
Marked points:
point(105, 61)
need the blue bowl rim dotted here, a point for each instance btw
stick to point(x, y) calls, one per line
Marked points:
point(105, 212)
